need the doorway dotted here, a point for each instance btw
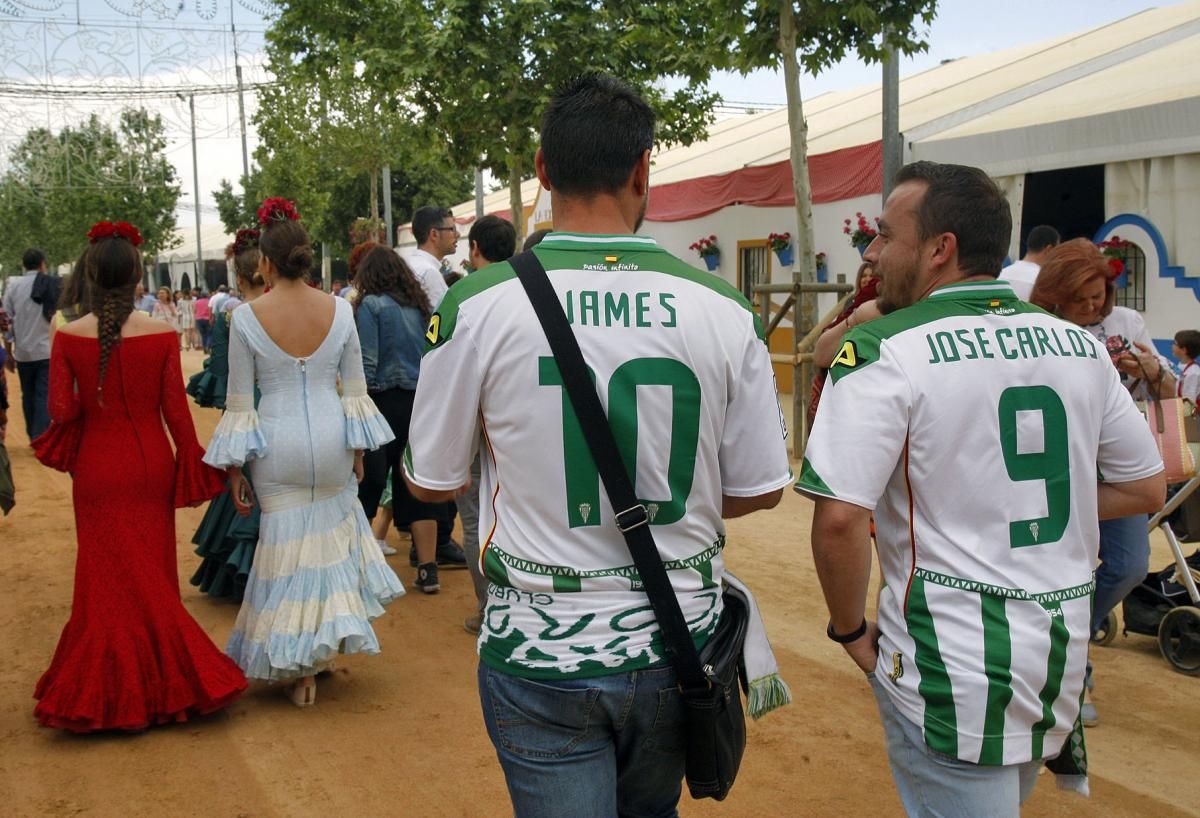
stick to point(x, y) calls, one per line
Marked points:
point(1071, 200)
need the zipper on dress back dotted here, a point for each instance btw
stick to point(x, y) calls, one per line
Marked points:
point(312, 458)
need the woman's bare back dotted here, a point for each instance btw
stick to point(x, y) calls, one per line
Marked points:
point(138, 323)
point(296, 317)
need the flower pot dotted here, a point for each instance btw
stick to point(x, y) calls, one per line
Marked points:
point(822, 274)
point(861, 248)
point(711, 262)
point(785, 256)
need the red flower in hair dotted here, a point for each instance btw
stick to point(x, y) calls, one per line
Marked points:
point(277, 209)
point(114, 230)
point(245, 240)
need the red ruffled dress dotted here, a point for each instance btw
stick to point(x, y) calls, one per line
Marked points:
point(130, 656)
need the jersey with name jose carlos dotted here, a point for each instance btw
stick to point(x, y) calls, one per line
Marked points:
point(975, 425)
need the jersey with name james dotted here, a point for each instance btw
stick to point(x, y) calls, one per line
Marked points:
point(975, 426)
point(681, 369)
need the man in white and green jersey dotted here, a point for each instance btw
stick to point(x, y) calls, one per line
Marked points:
point(578, 695)
point(974, 426)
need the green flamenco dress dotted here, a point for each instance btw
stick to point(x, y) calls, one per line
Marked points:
point(225, 541)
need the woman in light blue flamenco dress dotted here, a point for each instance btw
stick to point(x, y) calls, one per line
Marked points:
point(318, 578)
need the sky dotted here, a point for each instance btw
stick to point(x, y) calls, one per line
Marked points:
point(962, 28)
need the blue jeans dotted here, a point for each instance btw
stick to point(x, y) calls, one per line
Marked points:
point(1124, 562)
point(204, 330)
point(935, 785)
point(35, 395)
point(588, 748)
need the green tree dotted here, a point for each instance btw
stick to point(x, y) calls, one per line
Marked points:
point(479, 72)
point(239, 210)
point(813, 34)
point(58, 185)
point(328, 133)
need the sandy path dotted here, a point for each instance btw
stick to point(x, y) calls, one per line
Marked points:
point(401, 734)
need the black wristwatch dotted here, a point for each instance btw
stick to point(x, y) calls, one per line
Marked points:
point(843, 639)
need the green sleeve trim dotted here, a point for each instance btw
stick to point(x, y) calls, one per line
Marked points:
point(442, 323)
point(810, 481)
point(861, 346)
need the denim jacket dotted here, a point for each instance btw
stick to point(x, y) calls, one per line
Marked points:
point(393, 340)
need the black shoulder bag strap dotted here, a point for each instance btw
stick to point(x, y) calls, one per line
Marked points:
point(633, 521)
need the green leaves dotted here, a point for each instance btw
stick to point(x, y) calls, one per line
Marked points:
point(827, 31)
point(58, 185)
point(473, 76)
point(337, 116)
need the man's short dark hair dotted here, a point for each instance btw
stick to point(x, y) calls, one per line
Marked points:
point(1189, 339)
point(495, 237)
point(593, 133)
point(535, 238)
point(963, 200)
point(33, 258)
point(427, 218)
point(1042, 237)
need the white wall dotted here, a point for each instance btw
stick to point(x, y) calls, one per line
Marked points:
point(1165, 191)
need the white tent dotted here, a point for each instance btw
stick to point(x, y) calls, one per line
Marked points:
point(181, 260)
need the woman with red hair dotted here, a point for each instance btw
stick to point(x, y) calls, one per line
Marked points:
point(1076, 283)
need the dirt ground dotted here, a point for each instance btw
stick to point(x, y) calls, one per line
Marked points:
point(400, 734)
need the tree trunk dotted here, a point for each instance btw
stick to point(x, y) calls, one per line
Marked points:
point(516, 169)
point(805, 269)
point(373, 175)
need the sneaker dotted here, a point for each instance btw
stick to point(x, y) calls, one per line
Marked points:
point(450, 554)
point(473, 624)
point(1087, 713)
point(427, 578)
point(386, 549)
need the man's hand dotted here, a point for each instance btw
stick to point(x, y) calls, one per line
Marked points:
point(865, 649)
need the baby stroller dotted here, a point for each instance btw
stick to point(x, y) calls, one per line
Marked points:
point(1167, 603)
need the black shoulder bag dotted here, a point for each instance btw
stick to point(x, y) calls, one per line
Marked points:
point(708, 679)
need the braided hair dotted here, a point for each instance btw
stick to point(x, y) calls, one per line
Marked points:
point(114, 268)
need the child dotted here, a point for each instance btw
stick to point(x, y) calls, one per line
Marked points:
point(1187, 349)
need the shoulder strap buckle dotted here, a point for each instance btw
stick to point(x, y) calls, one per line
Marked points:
point(632, 517)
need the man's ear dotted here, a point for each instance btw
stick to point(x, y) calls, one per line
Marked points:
point(640, 177)
point(539, 165)
point(944, 251)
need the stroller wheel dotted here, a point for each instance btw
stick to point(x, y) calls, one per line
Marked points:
point(1107, 632)
point(1179, 639)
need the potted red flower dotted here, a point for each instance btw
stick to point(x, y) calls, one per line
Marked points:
point(822, 268)
point(1114, 249)
point(861, 232)
point(781, 243)
point(707, 247)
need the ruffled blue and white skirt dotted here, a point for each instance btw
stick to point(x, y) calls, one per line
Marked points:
point(317, 582)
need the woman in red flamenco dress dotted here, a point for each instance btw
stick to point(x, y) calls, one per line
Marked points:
point(130, 656)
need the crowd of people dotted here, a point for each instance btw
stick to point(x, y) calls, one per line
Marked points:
point(405, 399)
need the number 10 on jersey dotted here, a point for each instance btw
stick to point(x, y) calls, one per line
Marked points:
point(582, 479)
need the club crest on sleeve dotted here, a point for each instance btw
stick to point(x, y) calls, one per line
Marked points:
point(847, 356)
point(435, 324)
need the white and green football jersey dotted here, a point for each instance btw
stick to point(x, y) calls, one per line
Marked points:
point(974, 425)
point(686, 380)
